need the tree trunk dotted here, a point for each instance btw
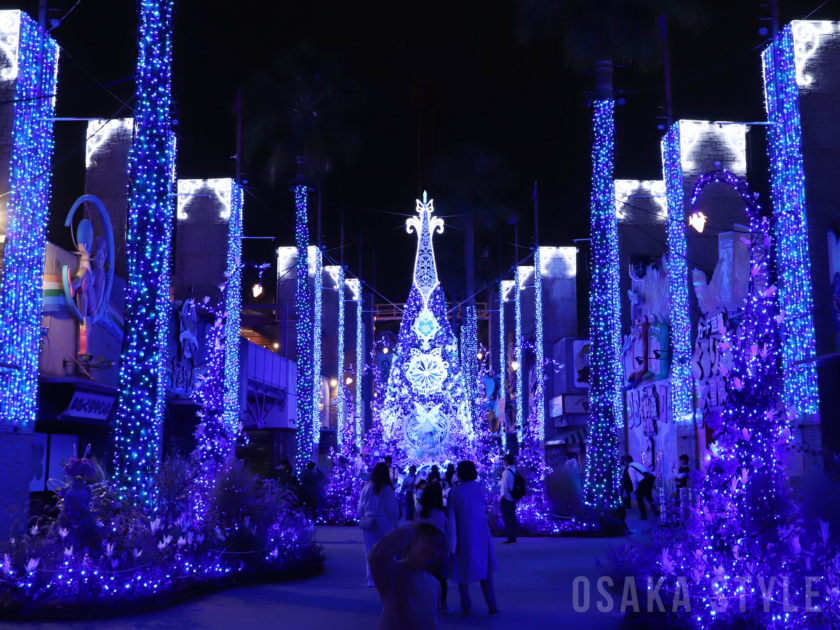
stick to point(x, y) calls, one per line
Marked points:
point(603, 66)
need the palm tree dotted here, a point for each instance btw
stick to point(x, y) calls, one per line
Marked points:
point(297, 113)
point(601, 33)
point(469, 183)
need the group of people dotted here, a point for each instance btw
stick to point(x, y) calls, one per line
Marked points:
point(637, 479)
point(446, 536)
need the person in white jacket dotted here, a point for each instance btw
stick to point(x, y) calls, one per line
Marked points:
point(411, 596)
point(377, 502)
point(642, 480)
point(468, 538)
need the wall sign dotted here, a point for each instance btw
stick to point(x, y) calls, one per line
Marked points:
point(88, 406)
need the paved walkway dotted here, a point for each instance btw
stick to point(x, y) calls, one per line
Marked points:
point(533, 587)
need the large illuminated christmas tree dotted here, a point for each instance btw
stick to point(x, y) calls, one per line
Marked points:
point(426, 418)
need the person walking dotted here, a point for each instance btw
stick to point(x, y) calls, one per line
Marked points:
point(378, 511)
point(431, 511)
point(408, 487)
point(508, 502)
point(410, 594)
point(626, 482)
point(643, 487)
point(393, 471)
point(468, 539)
point(309, 480)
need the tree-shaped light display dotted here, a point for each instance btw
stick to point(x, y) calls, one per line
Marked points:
point(426, 412)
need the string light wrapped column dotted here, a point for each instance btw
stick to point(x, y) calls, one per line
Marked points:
point(502, 359)
point(27, 214)
point(340, 401)
point(787, 182)
point(469, 361)
point(303, 330)
point(681, 382)
point(520, 425)
point(602, 470)
point(317, 264)
point(137, 428)
point(539, 395)
point(356, 287)
point(233, 306)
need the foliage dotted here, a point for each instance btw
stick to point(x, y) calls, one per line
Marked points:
point(124, 556)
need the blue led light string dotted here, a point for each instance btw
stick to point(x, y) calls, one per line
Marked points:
point(27, 214)
point(602, 470)
point(233, 306)
point(681, 381)
point(539, 395)
point(502, 360)
point(303, 331)
point(469, 362)
point(787, 182)
point(520, 425)
point(317, 311)
point(138, 423)
point(360, 361)
point(340, 401)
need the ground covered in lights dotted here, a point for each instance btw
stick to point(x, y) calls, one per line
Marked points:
point(533, 586)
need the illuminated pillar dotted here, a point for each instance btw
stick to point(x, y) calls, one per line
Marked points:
point(138, 425)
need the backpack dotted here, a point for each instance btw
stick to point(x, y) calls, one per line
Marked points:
point(518, 487)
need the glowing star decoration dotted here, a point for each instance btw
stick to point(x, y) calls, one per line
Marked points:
point(425, 418)
point(425, 270)
point(28, 76)
point(426, 372)
point(698, 221)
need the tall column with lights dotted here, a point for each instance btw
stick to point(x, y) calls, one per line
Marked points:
point(681, 382)
point(787, 181)
point(469, 361)
point(137, 429)
point(28, 72)
point(303, 330)
point(340, 402)
point(316, 262)
point(502, 359)
point(602, 469)
point(233, 306)
point(539, 395)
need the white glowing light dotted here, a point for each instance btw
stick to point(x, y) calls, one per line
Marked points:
point(515, 365)
point(568, 256)
point(698, 221)
point(189, 189)
point(692, 133)
point(9, 41)
point(627, 188)
point(286, 260)
point(349, 381)
point(525, 274)
point(507, 287)
point(806, 40)
point(425, 269)
point(99, 132)
point(257, 290)
point(333, 382)
point(333, 271)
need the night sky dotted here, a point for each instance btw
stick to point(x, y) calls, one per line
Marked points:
point(482, 86)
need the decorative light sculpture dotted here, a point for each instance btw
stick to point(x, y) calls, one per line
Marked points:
point(602, 469)
point(27, 213)
point(305, 377)
point(681, 383)
point(137, 428)
point(787, 182)
point(469, 362)
point(425, 418)
point(316, 262)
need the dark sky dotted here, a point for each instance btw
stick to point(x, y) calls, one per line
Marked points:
point(485, 88)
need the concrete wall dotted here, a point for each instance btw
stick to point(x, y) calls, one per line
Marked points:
point(106, 176)
point(201, 238)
